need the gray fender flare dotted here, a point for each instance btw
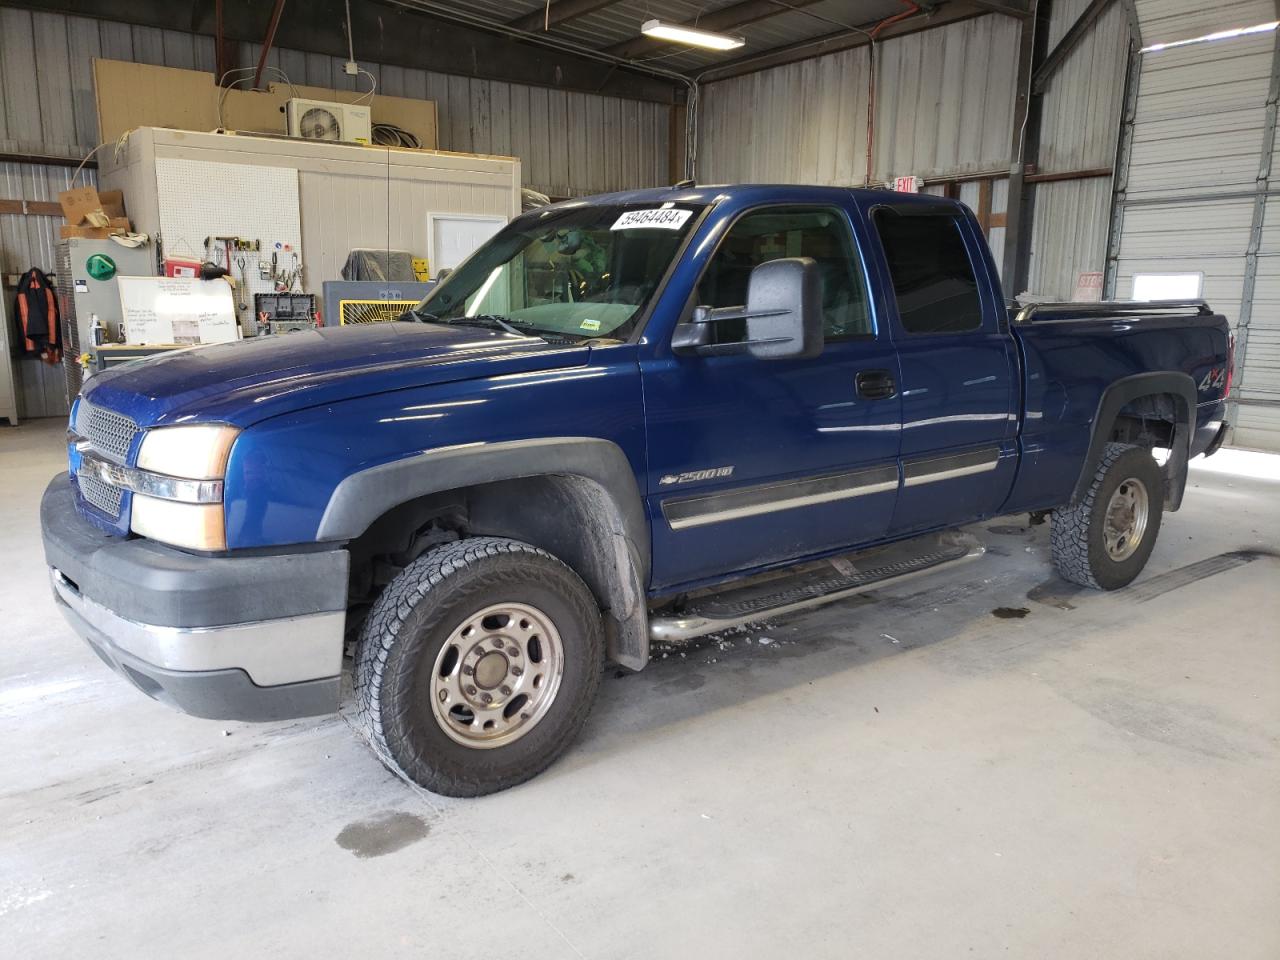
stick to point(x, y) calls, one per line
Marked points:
point(599, 467)
point(1124, 391)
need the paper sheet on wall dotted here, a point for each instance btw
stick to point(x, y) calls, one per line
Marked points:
point(177, 310)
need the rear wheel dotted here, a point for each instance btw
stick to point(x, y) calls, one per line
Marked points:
point(1104, 540)
point(478, 665)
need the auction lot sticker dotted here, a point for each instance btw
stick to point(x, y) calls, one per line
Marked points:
point(668, 218)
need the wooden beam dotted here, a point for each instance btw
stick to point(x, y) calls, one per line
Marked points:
point(31, 208)
point(272, 26)
point(726, 18)
point(1094, 173)
point(984, 206)
point(561, 11)
point(226, 54)
point(46, 161)
point(1070, 40)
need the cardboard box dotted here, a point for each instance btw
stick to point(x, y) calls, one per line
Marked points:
point(85, 232)
point(84, 205)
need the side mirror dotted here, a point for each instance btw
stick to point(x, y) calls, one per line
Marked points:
point(783, 314)
point(443, 272)
point(784, 309)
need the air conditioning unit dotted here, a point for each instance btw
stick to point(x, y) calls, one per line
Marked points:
point(325, 120)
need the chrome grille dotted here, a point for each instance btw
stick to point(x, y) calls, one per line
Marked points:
point(101, 495)
point(110, 433)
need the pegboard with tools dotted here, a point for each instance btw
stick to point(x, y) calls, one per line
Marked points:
point(285, 312)
point(242, 217)
point(254, 264)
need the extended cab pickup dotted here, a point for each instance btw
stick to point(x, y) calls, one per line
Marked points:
point(647, 415)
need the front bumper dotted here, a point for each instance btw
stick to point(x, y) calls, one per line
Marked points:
point(229, 638)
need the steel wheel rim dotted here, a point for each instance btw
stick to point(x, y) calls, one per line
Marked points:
point(497, 675)
point(1126, 520)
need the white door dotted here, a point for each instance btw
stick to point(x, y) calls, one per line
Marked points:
point(452, 237)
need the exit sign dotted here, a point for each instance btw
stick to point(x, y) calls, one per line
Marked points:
point(906, 184)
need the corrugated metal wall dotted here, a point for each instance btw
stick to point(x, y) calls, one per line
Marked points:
point(26, 242)
point(570, 144)
point(944, 107)
point(1080, 123)
point(1193, 193)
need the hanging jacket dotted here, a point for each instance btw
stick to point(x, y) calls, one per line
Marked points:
point(36, 310)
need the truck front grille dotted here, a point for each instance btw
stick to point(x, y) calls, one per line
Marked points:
point(110, 433)
point(101, 495)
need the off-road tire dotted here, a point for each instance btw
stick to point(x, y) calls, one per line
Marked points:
point(412, 620)
point(1076, 533)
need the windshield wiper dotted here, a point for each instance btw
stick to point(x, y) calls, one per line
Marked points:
point(490, 320)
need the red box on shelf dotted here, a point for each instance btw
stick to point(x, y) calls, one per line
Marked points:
point(178, 267)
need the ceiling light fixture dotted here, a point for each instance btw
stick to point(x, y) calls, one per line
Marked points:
point(678, 33)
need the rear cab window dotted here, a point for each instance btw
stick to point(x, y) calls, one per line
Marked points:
point(932, 275)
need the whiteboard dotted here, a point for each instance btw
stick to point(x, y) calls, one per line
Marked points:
point(176, 310)
point(205, 198)
point(452, 237)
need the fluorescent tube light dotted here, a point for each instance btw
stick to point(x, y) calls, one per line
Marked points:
point(677, 33)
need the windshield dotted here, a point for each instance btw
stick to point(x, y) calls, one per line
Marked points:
point(577, 273)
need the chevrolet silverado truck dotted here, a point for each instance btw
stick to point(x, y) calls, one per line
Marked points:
point(626, 419)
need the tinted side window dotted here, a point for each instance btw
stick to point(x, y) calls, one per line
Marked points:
point(777, 232)
point(932, 277)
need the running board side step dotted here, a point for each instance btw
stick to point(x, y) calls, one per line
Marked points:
point(812, 585)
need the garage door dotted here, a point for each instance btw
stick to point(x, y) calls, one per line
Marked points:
point(1198, 188)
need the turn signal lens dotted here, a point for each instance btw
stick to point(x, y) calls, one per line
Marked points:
point(196, 526)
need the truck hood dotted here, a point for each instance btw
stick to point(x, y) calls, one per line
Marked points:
point(251, 380)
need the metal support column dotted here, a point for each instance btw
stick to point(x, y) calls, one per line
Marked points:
point(1124, 151)
point(1018, 151)
point(1262, 188)
point(1026, 151)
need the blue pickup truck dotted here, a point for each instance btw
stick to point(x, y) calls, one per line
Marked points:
point(628, 418)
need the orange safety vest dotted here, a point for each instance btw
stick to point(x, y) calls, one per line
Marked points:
point(37, 312)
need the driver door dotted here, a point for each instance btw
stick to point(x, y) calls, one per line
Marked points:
point(756, 462)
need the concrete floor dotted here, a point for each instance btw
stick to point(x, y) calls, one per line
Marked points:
point(909, 777)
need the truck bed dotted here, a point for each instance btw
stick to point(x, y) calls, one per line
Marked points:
point(1071, 353)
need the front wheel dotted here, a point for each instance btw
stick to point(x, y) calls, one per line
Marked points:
point(478, 665)
point(1103, 541)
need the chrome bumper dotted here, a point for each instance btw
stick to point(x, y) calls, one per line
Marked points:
point(271, 652)
point(232, 637)
point(264, 670)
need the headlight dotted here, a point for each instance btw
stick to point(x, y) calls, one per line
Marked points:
point(196, 452)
